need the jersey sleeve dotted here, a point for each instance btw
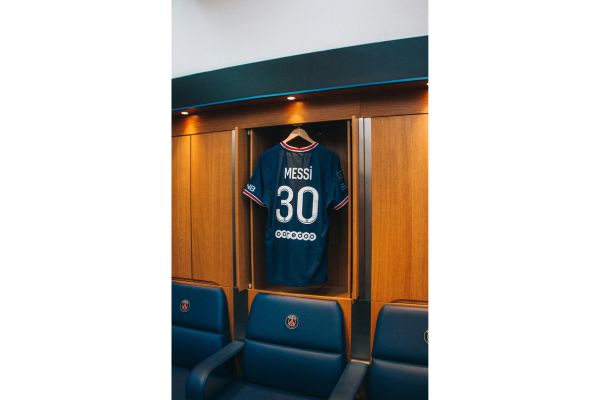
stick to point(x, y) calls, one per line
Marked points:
point(338, 189)
point(257, 187)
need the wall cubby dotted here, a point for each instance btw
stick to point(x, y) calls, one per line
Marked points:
point(337, 137)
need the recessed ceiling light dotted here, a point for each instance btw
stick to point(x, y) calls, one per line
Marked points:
point(184, 113)
point(290, 98)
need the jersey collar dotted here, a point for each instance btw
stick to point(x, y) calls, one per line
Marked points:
point(299, 149)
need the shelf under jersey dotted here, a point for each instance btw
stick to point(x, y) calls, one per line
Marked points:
point(298, 186)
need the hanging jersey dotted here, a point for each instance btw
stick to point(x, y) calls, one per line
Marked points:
point(298, 186)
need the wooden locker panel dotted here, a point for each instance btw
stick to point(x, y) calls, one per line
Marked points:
point(212, 219)
point(258, 215)
point(354, 206)
point(181, 239)
point(229, 295)
point(242, 208)
point(399, 208)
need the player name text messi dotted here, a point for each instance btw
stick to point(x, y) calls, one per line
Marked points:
point(298, 173)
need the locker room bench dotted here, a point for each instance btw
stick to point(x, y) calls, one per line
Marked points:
point(200, 327)
point(399, 367)
point(294, 349)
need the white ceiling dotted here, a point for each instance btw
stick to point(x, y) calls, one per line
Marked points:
point(213, 34)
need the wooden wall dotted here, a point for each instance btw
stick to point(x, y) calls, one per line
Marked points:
point(399, 203)
point(181, 227)
point(209, 171)
point(212, 230)
point(398, 102)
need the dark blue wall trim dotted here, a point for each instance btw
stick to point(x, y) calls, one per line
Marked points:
point(402, 60)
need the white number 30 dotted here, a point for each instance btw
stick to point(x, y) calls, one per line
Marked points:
point(290, 210)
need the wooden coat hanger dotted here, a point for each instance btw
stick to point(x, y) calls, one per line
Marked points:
point(299, 132)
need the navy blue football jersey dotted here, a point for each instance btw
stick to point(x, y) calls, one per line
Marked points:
point(298, 186)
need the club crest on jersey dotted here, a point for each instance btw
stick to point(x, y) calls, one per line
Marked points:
point(184, 306)
point(426, 336)
point(292, 321)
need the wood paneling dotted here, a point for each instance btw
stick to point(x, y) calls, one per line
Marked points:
point(367, 103)
point(345, 305)
point(354, 207)
point(229, 295)
point(399, 208)
point(181, 239)
point(242, 208)
point(258, 216)
point(413, 101)
point(212, 236)
point(268, 115)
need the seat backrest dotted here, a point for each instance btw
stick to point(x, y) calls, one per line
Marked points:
point(295, 344)
point(200, 323)
point(400, 354)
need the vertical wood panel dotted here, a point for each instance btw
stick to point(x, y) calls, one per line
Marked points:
point(242, 208)
point(229, 295)
point(181, 241)
point(212, 218)
point(346, 306)
point(354, 205)
point(258, 215)
point(399, 208)
point(375, 309)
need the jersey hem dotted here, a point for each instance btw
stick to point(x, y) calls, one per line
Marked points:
point(342, 203)
point(253, 197)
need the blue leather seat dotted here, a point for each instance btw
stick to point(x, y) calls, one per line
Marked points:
point(200, 327)
point(400, 355)
point(295, 349)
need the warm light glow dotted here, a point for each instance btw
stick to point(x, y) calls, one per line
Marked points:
point(184, 113)
point(290, 98)
point(297, 113)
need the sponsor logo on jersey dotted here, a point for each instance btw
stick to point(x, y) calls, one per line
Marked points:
point(251, 188)
point(292, 321)
point(426, 336)
point(184, 306)
point(294, 235)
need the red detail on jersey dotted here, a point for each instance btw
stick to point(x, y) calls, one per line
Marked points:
point(299, 149)
point(253, 197)
point(342, 203)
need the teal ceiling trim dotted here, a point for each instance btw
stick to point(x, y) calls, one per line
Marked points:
point(402, 60)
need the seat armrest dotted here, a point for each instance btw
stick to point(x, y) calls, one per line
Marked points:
point(196, 382)
point(350, 381)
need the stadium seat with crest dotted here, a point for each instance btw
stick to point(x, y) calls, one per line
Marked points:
point(400, 355)
point(294, 349)
point(200, 327)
